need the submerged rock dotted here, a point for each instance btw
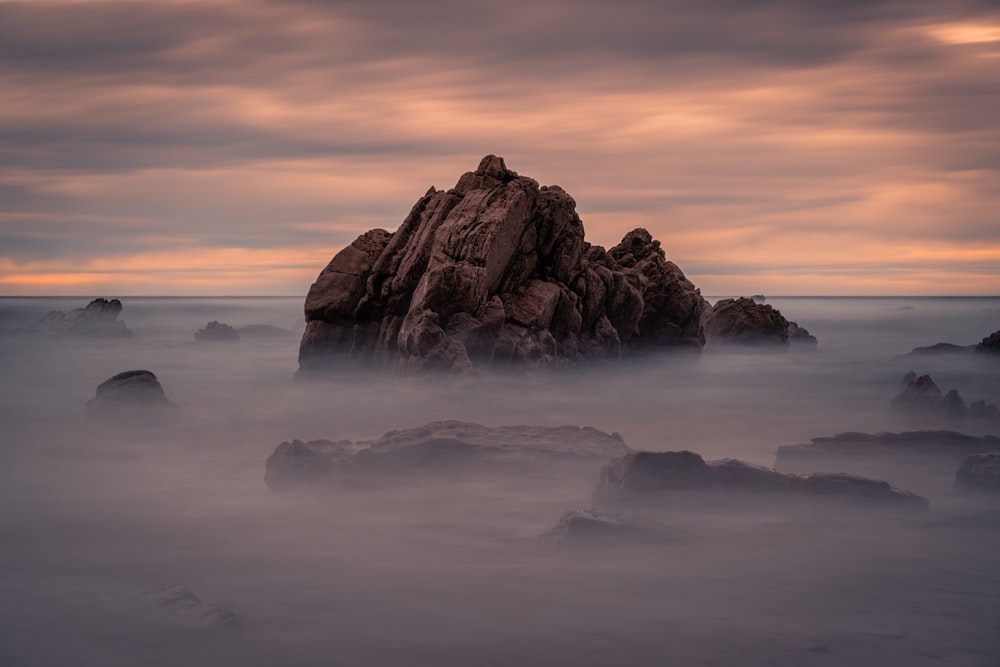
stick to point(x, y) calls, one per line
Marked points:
point(98, 319)
point(439, 448)
point(893, 455)
point(585, 528)
point(979, 472)
point(216, 331)
point(940, 348)
point(495, 271)
point(136, 392)
point(179, 603)
point(744, 321)
point(922, 400)
point(653, 476)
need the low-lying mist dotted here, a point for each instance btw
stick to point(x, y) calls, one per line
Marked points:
point(445, 570)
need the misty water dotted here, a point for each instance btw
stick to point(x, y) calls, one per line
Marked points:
point(447, 571)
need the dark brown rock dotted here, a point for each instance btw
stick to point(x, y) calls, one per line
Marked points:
point(990, 344)
point(216, 332)
point(136, 392)
point(744, 321)
point(98, 319)
point(495, 271)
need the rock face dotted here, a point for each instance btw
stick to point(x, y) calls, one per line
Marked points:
point(990, 344)
point(979, 472)
point(495, 271)
point(922, 400)
point(653, 476)
point(438, 448)
point(744, 321)
point(216, 332)
point(179, 603)
point(136, 392)
point(98, 319)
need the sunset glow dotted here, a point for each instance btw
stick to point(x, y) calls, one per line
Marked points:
point(234, 147)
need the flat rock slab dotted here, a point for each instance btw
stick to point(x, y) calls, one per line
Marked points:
point(658, 477)
point(439, 448)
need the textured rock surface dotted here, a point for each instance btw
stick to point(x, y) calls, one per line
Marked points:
point(495, 271)
point(647, 476)
point(979, 472)
point(438, 447)
point(99, 318)
point(138, 392)
point(744, 321)
point(216, 331)
point(181, 605)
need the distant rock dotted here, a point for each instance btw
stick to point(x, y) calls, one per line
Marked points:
point(658, 476)
point(216, 332)
point(922, 400)
point(979, 472)
point(439, 448)
point(759, 298)
point(587, 528)
point(990, 344)
point(263, 331)
point(744, 321)
point(905, 455)
point(177, 602)
point(136, 392)
point(98, 319)
point(940, 348)
point(495, 272)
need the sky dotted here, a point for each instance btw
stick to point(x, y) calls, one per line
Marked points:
point(157, 147)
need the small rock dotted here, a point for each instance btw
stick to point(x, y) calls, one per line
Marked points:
point(582, 527)
point(216, 331)
point(990, 344)
point(178, 602)
point(136, 392)
point(979, 472)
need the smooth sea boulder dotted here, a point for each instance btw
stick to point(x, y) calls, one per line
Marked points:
point(495, 272)
point(440, 450)
point(979, 472)
point(137, 393)
point(99, 319)
point(658, 477)
point(745, 321)
point(217, 332)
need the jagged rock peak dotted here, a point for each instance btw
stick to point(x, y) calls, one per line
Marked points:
point(495, 271)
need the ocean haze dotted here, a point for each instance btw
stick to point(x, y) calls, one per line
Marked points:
point(446, 571)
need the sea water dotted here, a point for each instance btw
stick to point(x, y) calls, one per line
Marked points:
point(440, 574)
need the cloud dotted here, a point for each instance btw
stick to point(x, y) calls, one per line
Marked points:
point(731, 130)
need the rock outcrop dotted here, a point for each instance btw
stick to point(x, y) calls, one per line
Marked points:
point(137, 393)
point(587, 528)
point(979, 472)
point(655, 476)
point(990, 344)
point(495, 271)
point(177, 602)
point(920, 399)
point(940, 348)
point(216, 331)
point(744, 321)
point(436, 449)
point(914, 458)
point(98, 319)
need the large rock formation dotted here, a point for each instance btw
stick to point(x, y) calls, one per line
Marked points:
point(656, 476)
point(439, 448)
point(98, 319)
point(495, 271)
point(744, 321)
point(136, 393)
